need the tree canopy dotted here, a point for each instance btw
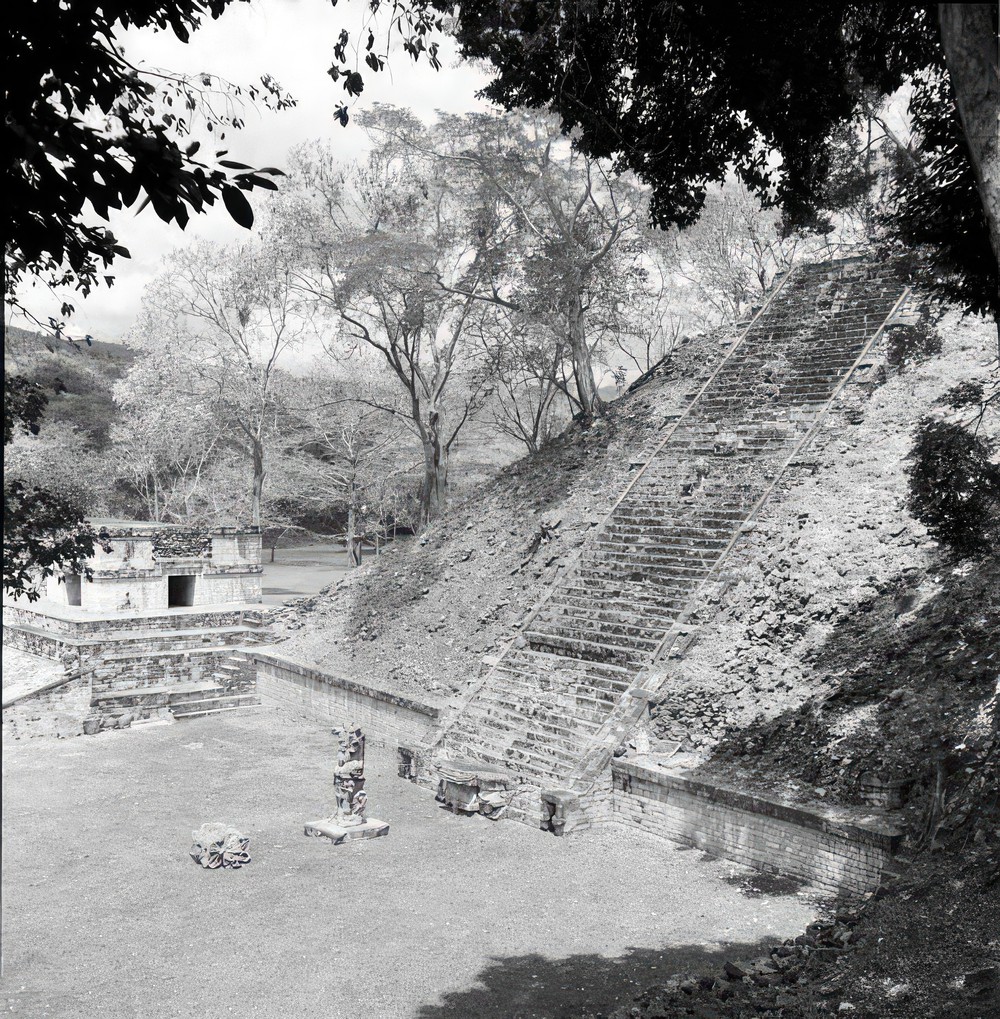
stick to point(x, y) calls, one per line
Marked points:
point(85, 132)
point(682, 94)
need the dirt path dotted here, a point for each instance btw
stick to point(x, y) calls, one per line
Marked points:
point(105, 914)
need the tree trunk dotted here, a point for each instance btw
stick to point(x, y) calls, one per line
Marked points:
point(353, 549)
point(969, 40)
point(258, 482)
point(583, 368)
point(434, 491)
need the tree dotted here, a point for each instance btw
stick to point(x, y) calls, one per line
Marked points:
point(732, 254)
point(654, 320)
point(231, 316)
point(573, 221)
point(165, 440)
point(681, 96)
point(397, 252)
point(43, 531)
point(954, 484)
point(351, 459)
point(86, 132)
point(526, 373)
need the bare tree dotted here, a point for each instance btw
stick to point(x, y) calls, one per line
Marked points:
point(526, 374)
point(351, 457)
point(397, 255)
point(230, 316)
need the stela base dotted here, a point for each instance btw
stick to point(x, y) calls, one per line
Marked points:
point(331, 829)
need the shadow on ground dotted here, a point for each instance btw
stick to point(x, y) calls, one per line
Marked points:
point(579, 986)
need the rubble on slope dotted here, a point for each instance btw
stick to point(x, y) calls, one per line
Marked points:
point(835, 539)
point(421, 618)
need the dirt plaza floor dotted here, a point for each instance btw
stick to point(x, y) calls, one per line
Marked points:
point(106, 915)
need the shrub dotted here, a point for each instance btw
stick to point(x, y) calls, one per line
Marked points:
point(910, 344)
point(954, 489)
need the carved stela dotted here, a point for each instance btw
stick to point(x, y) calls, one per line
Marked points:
point(350, 821)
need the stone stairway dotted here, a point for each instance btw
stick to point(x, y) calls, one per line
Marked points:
point(183, 672)
point(548, 702)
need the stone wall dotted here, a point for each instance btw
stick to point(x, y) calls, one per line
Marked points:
point(81, 627)
point(387, 719)
point(133, 671)
point(182, 543)
point(838, 853)
point(35, 642)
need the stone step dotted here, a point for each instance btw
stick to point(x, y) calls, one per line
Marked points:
point(647, 620)
point(625, 597)
point(236, 705)
point(587, 650)
point(582, 683)
point(165, 692)
point(551, 710)
point(542, 660)
point(492, 745)
point(621, 634)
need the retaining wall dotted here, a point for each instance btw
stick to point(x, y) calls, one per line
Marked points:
point(386, 718)
point(51, 620)
point(827, 849)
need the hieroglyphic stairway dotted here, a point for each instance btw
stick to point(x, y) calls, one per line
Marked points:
point(539, 711)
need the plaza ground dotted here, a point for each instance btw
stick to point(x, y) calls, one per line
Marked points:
point(302, 572)
point(105, 914)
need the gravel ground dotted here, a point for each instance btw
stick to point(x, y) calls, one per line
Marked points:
point(302, 571)
point(105, 914)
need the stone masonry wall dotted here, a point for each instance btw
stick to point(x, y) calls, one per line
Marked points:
point(841, 856)
point(387, 719)
point(15, 615)
point(130, 672)
point(44, 645)
point(186, 543)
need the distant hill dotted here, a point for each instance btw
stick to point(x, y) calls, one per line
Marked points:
point(78, 378)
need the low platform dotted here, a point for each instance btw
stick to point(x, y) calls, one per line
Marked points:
point(332, 829)
point(471, 787)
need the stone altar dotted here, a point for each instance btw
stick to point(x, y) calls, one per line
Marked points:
point(470, 787)
point(350, 821)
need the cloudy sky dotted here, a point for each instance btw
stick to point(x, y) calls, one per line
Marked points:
point(292, 40)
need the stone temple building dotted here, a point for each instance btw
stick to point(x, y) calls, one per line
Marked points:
point(161, 625)
point(150, 566)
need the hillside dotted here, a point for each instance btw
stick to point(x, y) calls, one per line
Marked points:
point(77, 378)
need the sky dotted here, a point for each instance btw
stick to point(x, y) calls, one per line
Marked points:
point(292, 40)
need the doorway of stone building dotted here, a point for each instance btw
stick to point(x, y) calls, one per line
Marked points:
point(180, 591)
point(73, 588)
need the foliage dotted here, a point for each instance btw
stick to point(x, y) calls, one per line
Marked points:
point(907, 343)
point(934, 206)
point(346, 460)
point(23, 406)
point(677, 94)
point(63, 459)
point(398, 253)
point(232, 317)
point(85, 130)
point(164, 440)
point(681, 97)
point(77, 380)
point(43, 532)
point(954, 485)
